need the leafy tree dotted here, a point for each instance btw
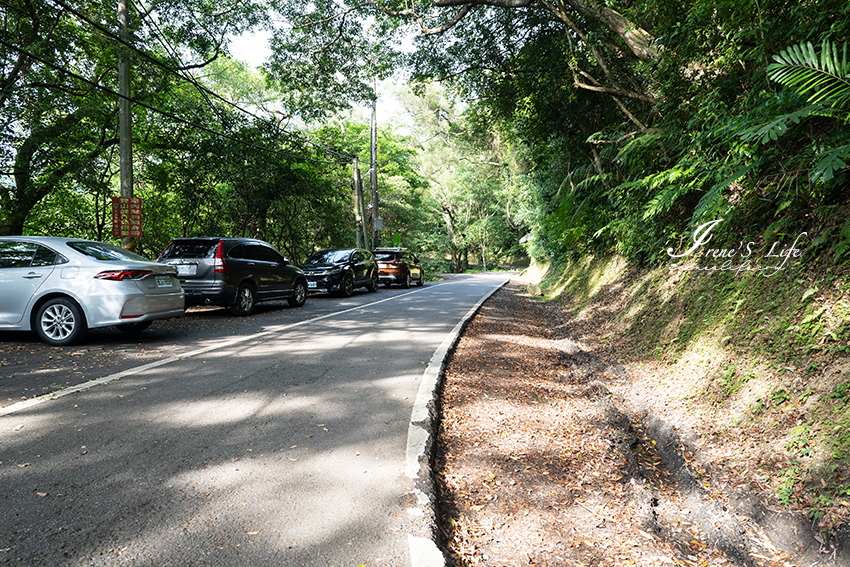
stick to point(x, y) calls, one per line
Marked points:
point(399, 182)
point(466, 196)
point(58, 83)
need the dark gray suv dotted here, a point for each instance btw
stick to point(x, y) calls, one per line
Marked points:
point(341, 270)
point(234, 272)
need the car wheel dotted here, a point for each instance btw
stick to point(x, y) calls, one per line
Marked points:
point(421, 281)
point(406, 283)
point(346, 286)
point(60, 322)
point(373, 283)
point(245, 301)
point(134, 328)
point(299, 294)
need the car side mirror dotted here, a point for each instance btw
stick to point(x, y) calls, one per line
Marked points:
point(284, 261)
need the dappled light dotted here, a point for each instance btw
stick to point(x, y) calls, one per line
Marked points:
point(283, 444)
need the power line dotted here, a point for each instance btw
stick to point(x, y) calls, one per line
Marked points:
point(194, 82)
point(163, 112)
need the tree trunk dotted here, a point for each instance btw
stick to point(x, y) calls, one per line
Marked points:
point(638, 39)
point(449, 218)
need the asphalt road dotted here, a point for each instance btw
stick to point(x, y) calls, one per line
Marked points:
point(278, 439)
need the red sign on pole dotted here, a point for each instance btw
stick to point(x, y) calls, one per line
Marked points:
point(126, 217)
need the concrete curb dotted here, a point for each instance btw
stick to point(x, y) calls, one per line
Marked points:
point(421, 438)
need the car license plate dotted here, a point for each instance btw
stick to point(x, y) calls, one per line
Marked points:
point(382, 265)
point(186, 269)
point(311, 285)
point(164, 281)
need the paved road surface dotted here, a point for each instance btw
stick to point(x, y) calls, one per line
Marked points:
point(284, 446)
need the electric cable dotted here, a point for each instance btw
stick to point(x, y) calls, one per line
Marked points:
point(169, 115)
point(194, 82)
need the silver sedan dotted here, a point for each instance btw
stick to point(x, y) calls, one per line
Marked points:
point(61, 287)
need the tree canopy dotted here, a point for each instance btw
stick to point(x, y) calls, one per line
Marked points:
point(574, 126)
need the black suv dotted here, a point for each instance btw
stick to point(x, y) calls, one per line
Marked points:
point(234, 272)
point(341, 271)
point(399, 265)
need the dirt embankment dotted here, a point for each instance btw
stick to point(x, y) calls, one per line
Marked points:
point(550, 454)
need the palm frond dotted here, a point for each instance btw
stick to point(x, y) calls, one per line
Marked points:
point(771, 131)
point(712, 202)
point(831, 162)
point(824, 77)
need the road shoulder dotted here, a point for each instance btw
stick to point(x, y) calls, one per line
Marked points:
point(547, 455)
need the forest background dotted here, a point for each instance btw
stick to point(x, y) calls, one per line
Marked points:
point(565, 132)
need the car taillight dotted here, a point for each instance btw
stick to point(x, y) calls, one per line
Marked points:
point(120, 275)
point(218, 264)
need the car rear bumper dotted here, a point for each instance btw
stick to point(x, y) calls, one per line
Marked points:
point(133, 309)
point(391, 276)
point(209, 298)
point(319, 284)
point(215, 294)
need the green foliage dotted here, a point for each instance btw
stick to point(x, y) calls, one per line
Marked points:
point(572, 143)
point(770, 132)
point(58, 102)
point(825, 78)
point(842, 391)
point(841, 247)
point(468, 191)
point(635, 174)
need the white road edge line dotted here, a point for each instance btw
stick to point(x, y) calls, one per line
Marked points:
point(424, 551)
point(26, 404)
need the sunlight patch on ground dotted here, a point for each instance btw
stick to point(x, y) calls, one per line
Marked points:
point(228, 409)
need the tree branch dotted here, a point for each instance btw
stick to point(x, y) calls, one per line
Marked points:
point(617, 141)
point(615, 91)
point(410, 13)
point(202, 64)
point(495, 3)
point(339, 34)
point(311, 23)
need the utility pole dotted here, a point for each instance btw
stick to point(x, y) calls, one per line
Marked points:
point(358, 219)
point(360, 229)
point(125, 124)
point(364, 217)
point(374, 177)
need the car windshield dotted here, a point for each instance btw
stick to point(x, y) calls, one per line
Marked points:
point(383, 256)
point(105, 252)
point(194, 249)
point(328, 257)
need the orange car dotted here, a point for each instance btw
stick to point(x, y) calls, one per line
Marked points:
point(399, 266)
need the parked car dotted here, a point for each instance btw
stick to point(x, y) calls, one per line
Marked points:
point(62, 287)
point(234, 272)
point(399, 266)
point(341, 270)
